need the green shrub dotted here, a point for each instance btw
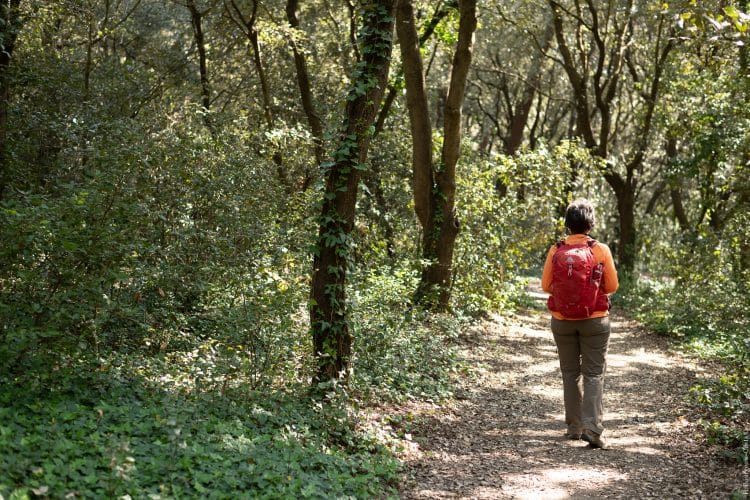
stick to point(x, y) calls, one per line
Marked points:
point(703, 305)
point(400, 352)
point(508, 208)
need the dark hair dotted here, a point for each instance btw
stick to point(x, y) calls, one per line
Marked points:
point(579, 216)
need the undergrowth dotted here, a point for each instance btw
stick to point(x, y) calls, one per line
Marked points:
point(707, 318)
point(401, 352)
point(220, 414)
point(117, 435)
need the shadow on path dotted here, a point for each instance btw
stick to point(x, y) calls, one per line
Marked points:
point(505, 438)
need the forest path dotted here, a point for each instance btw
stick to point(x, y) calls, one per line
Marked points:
point(503, 436)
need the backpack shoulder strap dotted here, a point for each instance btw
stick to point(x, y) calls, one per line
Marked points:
point(598, 251)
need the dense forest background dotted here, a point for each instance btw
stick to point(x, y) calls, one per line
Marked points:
point(208, 207)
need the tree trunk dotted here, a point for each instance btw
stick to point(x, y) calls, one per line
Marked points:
point(520, 115)
point(9, 21)
point(252, 36)
point(443, 10)
point(594, 66)
point(577, 80)
point(679, 208)
point(332, 340)
point(520, 112)
point(303, 81)
point(627, 248)
point(435, 189)
point(196, 18)
point(248, 27)
point(418, 107)
point(675, 195)
point(625, 195)
point(417, 103)
point(655, 197)
point(88, 66)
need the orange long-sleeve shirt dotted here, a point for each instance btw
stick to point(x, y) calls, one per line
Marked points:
point(603, 255)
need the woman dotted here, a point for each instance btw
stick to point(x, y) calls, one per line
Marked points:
point(579, 273)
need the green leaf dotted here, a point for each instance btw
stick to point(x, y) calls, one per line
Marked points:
point(732, 12)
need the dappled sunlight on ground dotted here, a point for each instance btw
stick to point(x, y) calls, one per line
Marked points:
point(558, 482)
point(532, 333)
point(505, 439)
point(520, 358)
point(638, 357)
point(542, 368)
point(638, 448)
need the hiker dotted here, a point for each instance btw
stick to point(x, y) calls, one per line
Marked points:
point(579, 273)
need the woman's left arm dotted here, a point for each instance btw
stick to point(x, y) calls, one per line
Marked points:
point(611, 283)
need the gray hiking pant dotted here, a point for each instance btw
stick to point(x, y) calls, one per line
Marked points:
point(582, 347)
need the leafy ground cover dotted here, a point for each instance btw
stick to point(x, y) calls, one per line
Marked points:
point(223, 412)
point(100, 437)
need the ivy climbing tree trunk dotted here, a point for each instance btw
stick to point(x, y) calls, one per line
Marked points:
point(9, 25)
point(374, 178)
point(332, 339)
point(435, 185)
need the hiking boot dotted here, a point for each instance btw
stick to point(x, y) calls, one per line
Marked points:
point(594, 440)
point(572, 435)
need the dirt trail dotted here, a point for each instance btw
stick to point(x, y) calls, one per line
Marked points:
point(504, 437)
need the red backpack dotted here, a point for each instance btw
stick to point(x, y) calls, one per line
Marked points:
point(576, 281)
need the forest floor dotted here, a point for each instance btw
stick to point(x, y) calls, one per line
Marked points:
point(502, 436)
